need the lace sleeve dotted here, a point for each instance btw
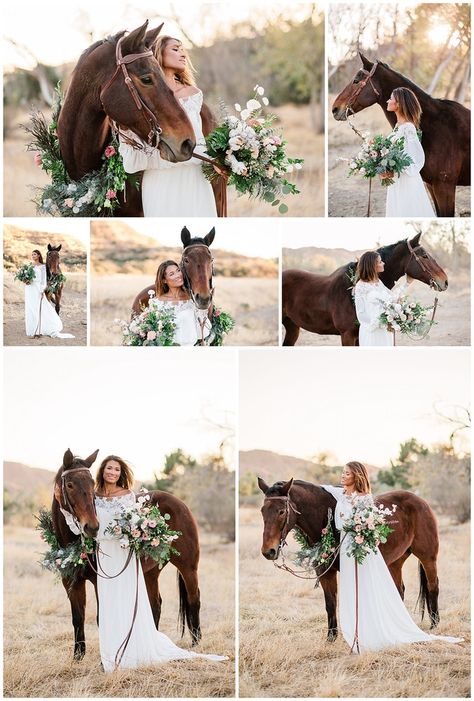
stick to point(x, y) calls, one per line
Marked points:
point(42, 277)
point(135, 160)
point(70, 522)
point(336, 492)
point(413, 148)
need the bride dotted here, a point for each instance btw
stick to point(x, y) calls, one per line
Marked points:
point(369, 296)
point(116, 596)
point(173, 189)
point(407, 197)
point(383, 619)
point(41, 318)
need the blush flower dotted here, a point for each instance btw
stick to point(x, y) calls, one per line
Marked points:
point(109, 152)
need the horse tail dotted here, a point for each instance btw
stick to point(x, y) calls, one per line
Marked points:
point(422, 600)
point(184, 614)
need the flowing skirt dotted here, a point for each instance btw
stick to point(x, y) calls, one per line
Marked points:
point(116, 605)
point(407, 197)
point(374, 337)
point(178, 191)
point(41, 318)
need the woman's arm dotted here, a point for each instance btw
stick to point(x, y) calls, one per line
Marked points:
point(414, 149)
point(42, 278)
point(134, 159)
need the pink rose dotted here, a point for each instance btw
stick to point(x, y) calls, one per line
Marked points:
point(109, 152)
point(69, 202)
point(152, 524)
point(151, 335)
point(58, 561)
point(217, 312)
point(135, 533)
point(324, 531)
point(111, 194)
point(324, 556)
point(83, 556)
point(38, 159)
point(155, 542)
point(359, 539)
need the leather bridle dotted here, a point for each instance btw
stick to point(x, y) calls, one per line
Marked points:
point(413, 254)
point(186, 280)
point(361, 85)
point(155, 130)
point(289, 507)
point(67, 506)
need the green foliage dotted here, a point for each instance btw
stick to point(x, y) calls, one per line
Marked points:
point(222, 324)
point(55, 283)
point(63, 561)
point(399, 476)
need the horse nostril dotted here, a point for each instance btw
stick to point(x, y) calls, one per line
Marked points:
point(187, 148)
point(334, 111)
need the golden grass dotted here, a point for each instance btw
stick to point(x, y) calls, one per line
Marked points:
point(38, 634)
point(283, 648)
point(253, 302)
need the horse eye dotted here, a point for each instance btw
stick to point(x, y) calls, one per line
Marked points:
point(146, 80)
point(70, 485)
point(281, 512)
point(356, 80)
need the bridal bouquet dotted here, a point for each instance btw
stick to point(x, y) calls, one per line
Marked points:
point(404, 316)
point(143, 528)
point(380, 155)
point(63, 561)
point(152, 327)
point(252, 152)
point(26, 273)
point(366, 527)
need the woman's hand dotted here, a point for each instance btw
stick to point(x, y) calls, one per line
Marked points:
point(57, 492)
point(221, 171)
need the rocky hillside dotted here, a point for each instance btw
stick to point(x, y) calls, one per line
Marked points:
point(18, 477)
point(19, 242)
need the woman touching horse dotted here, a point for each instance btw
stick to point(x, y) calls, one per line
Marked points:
point(407, 196)
point(127, 633)
point(372, 614)
point(173, 189)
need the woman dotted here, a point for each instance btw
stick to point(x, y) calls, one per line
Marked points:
point(407, 197)
point(192, 324)
point(116, 595)
point(41, 318)
point(382, 617)
point(173, 189)
point(370, 294)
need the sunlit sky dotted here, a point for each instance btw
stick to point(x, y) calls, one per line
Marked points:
point(359, 404)
point(139, 405)
point(354, 235)
point(58, 32)
point(77, 228)
point(249, 237)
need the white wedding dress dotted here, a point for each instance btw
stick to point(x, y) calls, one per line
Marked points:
point(41, 318)
point(188, 321)
point(383, 619)
point(407, 197)
point(173, 189)
point(369, 298)
point(146, 645)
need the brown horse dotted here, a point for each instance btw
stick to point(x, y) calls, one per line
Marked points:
point(53, 269)
point(445, 124)
point(196, 267)
point(305, 506)
point(76, 487)
point(324, 304)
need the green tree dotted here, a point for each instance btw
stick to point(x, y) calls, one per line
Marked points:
point(400, 474)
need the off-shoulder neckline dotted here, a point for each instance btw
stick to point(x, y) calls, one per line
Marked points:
point(116, 496)
point(188, 97)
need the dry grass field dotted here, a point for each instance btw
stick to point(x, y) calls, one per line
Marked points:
point(283, 652)
point(253, 302)
point(21, 174)
point(38, 634)
point(73, 313)
point(347, 197)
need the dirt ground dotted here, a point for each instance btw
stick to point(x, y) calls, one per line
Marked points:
point(253, 302)
point(283, 625)
point(347, 197)
point(23, 174)
point(453, 315)
point(73, 313)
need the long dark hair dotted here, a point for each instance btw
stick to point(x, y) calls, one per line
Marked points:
point(367, 266)
point(40, 256)
point(408, 105)
point(126, 475)
point(161, 287)
point(361, 477)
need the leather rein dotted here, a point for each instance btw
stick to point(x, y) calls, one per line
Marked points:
point(361, 85)
point(155, 130)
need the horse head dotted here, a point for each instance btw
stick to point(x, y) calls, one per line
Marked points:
point(76, 491)
point(52, 259)
point(409, 257)
point(196, 267)
point(279, 516)
point(361, 92)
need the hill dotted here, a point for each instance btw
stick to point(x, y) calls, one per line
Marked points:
point(18, 477)
point(318, 260)
point(19, 242)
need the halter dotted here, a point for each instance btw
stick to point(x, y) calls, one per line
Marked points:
point(361, 85)
point(69, 508)
point(286, 526)
point(121, 61)
point(187, 281)
point(421, 264)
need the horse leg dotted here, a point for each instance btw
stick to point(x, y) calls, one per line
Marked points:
point(292, 332)
point(329, 586)
point(444, 195)
point(153, 590)
point(349, 338)
point(58, 301)
point(77, 598)
point(395, 569)
point(189, 601)
point(429, 589)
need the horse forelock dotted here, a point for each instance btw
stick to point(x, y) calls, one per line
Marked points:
point(194, 241)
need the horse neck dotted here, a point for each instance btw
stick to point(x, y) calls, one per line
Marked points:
point(394, 269)
point(61, 529)
point(313, 509)
point(389, 81)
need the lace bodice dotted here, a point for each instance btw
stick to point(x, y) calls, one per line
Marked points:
point(109, 508)
point(369, 298)
point(188, 319)
point(40, 277)
point(412, 146)
point(344, 503)
point(149, 158)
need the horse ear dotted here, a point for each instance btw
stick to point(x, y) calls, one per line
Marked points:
point(50, 248)
point(91, 459)
point(415, 241)
point(185, 236)
point(59, 247)
point(263, 485)
point(152, 36)
point(133, 41)
point(210, 237)
point(68, 459)
point(365, 61)
point(286, 487)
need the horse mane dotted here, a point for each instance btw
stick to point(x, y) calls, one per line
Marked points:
point(195, 240)
point(412, 85)
point(276, 489)
point(113, 39)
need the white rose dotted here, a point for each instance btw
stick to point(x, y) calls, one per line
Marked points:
point(260, 90)
point(253, 105)
point(245, 114)
point(237, 107)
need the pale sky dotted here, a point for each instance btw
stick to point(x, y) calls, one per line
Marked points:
point(77, 228)
point(57, 32)
point(249, 237)
point(139, 405)
point(359, 404)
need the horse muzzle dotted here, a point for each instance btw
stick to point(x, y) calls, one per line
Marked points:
point(339, 113)
point(270, 554)
point(91, 529)
point(440, 285)
point(202, 301)
point(176, 152)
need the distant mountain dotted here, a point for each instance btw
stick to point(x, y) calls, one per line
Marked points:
point(318, 260)
point(18, 477)
point(117, 248)
point(18, 243)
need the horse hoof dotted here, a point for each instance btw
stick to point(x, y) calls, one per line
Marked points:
point(332, 635)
